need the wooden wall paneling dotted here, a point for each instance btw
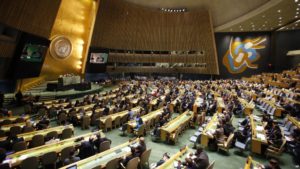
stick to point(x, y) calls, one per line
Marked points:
point(122, 25)
point(32, 16)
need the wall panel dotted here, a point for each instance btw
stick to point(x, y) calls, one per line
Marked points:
point(32, 16)
point(123, 25)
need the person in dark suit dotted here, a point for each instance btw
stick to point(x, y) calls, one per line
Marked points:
point(219, 134)
point(165, 158)
point(11, 140)
point(141, 147)
point(100, 140)
point(86, 150)
point(105, 111)
point(201, 160)
point(124, 161)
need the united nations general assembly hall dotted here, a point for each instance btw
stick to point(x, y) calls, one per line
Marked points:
point(149, 84)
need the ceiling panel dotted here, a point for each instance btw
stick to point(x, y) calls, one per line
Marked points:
point(222, 11)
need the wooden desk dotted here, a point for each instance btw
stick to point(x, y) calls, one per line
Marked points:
point(210, 127)
point(251, 93)
point(174, 124)
point(57, 147)
point(89, 106)
point(13, 118)
point(100, 160)
point(169, 164)
point(251, 164)
point(6, 128)
point(146, 118)
point(197, 104)
point(28, 136)
point(220, 104)
point(120, 114)
point(135, 101)
point(248, 106)
point(259, 137)
point(294, 121)
point(154, 101)
point(173, 103)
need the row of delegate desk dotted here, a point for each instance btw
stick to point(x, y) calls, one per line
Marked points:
point(16, 158)
point(259, 137)
point(173, 125)
point(101, 159)
point(13, 118)
point(28, 136)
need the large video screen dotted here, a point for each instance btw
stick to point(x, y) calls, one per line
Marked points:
point(33, 53)
point(29, 56)
point(98, 58)
point(97, 61)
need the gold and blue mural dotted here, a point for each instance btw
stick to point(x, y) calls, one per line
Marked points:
point(242, 55)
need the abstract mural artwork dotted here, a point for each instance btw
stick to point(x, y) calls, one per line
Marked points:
point(242, 55)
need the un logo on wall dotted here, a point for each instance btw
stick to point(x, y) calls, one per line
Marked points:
point(61, 47)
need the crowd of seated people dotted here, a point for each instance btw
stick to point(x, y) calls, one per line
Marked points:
point(165, 91)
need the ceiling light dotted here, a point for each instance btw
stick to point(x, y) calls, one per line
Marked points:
point(279, 11)
point(264, 16)
point(297, 13)
point(297, 9)
point(253, 25)
point(296, 16)
point(280, 18)
point(279, 24)
point(296, 1)
point(264, 25)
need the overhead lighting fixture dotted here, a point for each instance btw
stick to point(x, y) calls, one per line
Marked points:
point(264, 16)
point(296, 1)
point(279, 11)
point(280, 18)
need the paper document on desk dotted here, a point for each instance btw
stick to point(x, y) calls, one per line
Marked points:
point(261, 136)
point(259, 128)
